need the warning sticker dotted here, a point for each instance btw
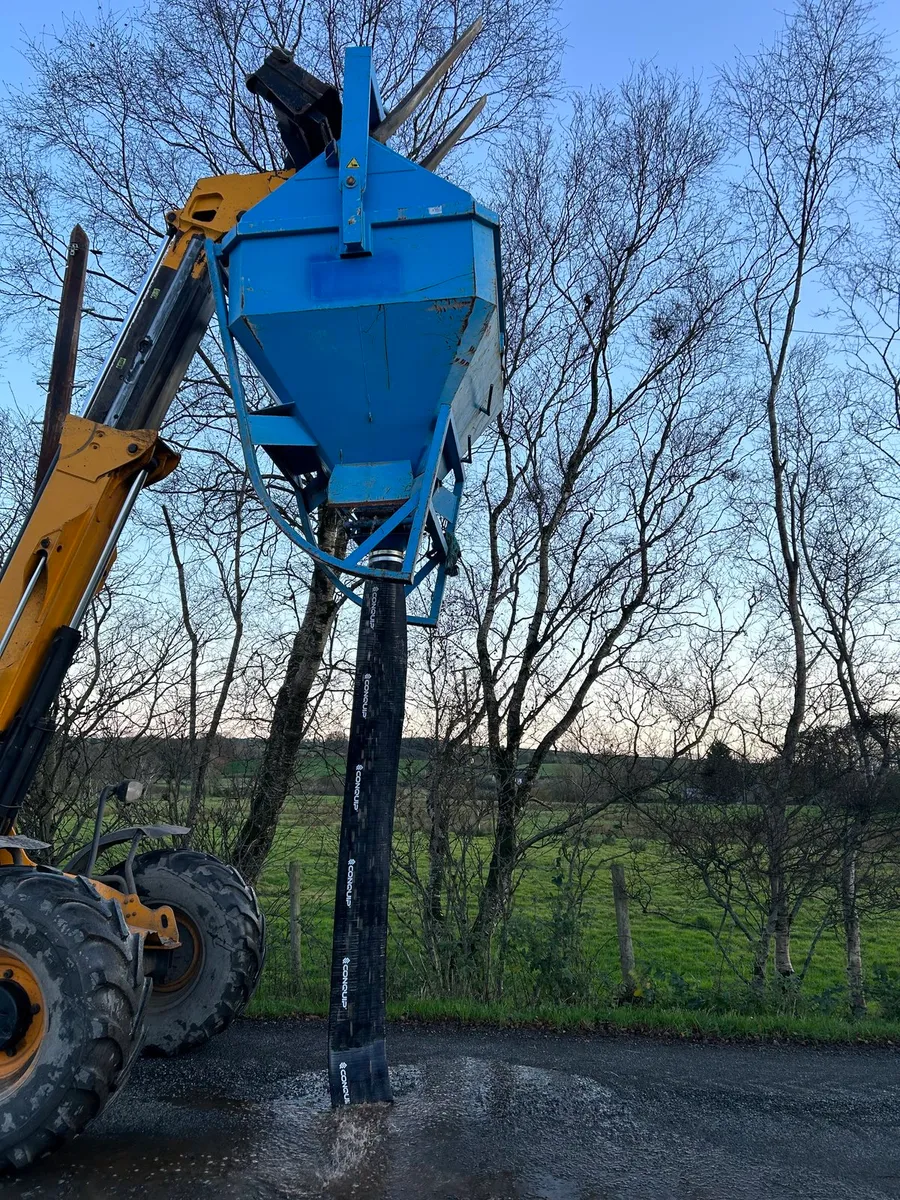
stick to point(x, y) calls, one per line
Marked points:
point(352, 165)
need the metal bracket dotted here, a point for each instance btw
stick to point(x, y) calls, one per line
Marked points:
point(18, 841)
point(363, 111)
point(308, 111)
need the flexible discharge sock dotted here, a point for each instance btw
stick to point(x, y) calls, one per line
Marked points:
point(357, 1060)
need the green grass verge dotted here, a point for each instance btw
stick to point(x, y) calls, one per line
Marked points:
point(689, 988)
point(674, 957)
point(655, 1021)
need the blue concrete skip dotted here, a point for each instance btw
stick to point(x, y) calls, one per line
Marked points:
point(366, 291)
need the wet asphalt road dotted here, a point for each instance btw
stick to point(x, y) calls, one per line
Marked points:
point(492, 1115)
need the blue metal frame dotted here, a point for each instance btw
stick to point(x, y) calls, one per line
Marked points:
point(418, 508)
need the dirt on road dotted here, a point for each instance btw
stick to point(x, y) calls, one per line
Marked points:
point(492, 1115)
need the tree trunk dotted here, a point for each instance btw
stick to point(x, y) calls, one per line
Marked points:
point(276, 770)
point(439, 949)
point(778, 892)
point(761, 955)
point(850, 912)
point(495, 894)
point(437, 849)
point(783, 964)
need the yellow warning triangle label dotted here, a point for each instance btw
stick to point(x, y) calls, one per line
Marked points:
point(353, 165)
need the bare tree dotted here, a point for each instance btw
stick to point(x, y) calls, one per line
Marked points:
point(596, 508)
point(849, 543)
point(802, 114)
point(217, 561)
point(291, 712)
point(18, 452)
point(837, 823)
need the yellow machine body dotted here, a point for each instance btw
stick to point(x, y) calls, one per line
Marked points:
point(214, 207)
point(70, 527)
point(79, 504)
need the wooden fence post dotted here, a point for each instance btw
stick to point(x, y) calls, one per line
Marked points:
point(623, 926)
point(296, 957)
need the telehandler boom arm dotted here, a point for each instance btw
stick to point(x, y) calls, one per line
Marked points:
point(105, 459)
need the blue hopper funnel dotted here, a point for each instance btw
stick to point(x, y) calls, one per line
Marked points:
point(366, 293)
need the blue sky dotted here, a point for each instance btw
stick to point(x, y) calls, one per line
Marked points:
point(695, 36)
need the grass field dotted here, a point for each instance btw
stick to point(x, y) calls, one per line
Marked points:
point(686, 986)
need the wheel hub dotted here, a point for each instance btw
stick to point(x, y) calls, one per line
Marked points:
point(22, 1019)
point(177, 969)
point(15, 1014)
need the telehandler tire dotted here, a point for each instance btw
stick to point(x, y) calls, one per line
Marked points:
point(201, 987)
point(72, 996)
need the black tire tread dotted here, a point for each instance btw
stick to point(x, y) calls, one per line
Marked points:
point(237, 900)
point(115, 1001)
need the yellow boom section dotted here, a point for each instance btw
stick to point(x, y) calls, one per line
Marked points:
point(216, 205)
point(67, 533)
point(67, 545)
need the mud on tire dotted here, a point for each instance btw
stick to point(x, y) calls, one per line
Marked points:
point(199, 989)
point(84, 974)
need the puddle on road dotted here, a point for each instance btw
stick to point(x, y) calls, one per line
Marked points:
point(460, 1129)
